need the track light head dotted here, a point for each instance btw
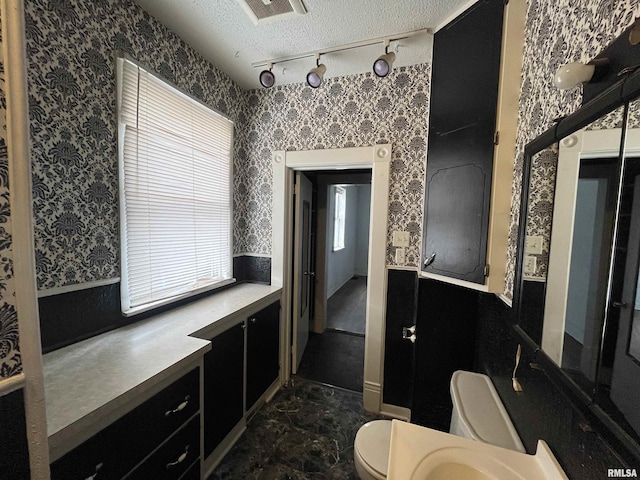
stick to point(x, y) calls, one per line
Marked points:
point(383, 65)
point(267, 78)
point(315, 75)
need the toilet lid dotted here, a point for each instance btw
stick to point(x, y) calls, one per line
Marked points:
point(373, 441)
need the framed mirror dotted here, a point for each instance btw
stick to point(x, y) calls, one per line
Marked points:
point(577, 288)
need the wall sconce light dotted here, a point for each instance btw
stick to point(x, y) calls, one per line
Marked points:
point(573, 74)
point(316, 74)
point(267, 78)
point(384, 63)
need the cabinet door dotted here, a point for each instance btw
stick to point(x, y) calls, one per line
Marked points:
point(446, 333)
point(464, 95)
point(223, 386)
point(263, 351)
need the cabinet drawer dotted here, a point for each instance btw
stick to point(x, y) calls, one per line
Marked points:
point(114, 451)
point(174, 457)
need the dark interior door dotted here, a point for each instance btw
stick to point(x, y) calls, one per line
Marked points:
point(464, 95)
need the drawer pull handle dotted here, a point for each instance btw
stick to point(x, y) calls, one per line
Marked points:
point(180, 459)
point(98, 467)
point(179, 408)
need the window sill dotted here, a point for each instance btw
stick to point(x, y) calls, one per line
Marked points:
point(168, 301)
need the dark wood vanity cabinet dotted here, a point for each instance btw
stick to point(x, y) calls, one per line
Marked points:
point(154, 434)
point(462, 125)
point(224, 372)
point(223, 386)
point(263, 351)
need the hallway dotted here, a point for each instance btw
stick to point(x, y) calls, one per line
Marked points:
point(336, 357)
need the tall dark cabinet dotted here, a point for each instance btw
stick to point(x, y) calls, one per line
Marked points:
point(263, 347)
point(462, 131)
point(223, 386)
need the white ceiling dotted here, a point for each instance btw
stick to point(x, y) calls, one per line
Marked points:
point(225, 35)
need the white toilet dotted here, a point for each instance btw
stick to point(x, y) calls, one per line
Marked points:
point(477, 413)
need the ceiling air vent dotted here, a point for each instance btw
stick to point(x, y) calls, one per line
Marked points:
point(262, 11)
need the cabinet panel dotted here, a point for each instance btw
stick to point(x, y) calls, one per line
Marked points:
point(174, 457)
point(263, 351)
point(462, 122)
point(446, 333)
point(223, 386)
point(114, 451)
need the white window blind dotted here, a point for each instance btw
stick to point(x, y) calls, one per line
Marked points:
point(339, 213)
point(175, 192)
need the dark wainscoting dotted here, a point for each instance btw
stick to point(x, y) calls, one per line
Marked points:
point(74, 316)
point(70, 317)
point(541, 411)
point(402, 305)
point(14, 450)
point(252, 269)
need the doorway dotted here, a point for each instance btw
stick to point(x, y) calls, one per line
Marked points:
point(340, 223)
point(377, 158)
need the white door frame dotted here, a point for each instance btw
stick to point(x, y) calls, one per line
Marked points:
point(377, 158)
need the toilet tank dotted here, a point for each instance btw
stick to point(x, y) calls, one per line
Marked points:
point(478, 412)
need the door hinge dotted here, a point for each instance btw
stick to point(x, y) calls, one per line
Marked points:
point(496, 138)
point(486, 270)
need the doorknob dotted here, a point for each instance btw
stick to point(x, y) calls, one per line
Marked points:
point(311, 274)
point(409, 333)
point(430, 260)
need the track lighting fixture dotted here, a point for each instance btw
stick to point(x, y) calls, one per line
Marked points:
point(381, 67)
point(316, 74)
point(267, 78)
point(384, 63)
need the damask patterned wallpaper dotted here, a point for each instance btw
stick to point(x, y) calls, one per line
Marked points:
point(72, 101)
point(557, 32)
point(10, 360)
point(351, 111)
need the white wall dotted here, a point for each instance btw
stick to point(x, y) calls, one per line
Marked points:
point(362, 229)
point(341, 264)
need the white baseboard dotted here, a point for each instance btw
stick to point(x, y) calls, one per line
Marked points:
point(393, 411)
point(371, 395)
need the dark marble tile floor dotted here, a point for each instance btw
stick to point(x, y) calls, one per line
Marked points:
point(305, 432)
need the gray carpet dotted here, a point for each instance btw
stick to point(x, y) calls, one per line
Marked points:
point(346, 309)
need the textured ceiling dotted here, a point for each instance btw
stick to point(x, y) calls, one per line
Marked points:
point(225, 35)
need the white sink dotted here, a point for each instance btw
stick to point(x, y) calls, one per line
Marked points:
point(419, 453)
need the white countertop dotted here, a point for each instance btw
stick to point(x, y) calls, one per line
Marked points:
point(88, 381)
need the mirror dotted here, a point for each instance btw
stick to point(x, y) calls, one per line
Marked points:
point(578, 295)
point(618, 387)
point(584, 208)
point(568, 230)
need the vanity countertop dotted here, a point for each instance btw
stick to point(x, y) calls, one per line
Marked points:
point(88, 382)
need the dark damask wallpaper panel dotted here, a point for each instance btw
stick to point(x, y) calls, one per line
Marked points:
point(351, 111)
point(557, 32)
point(10, 360)
point(72, 96)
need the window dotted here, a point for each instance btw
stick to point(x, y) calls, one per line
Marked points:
point(339, 208)
point(175, 192)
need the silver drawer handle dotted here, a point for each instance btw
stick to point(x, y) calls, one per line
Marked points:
point(180, 459)
point(430, 260)
point(98, 467)
point(179, 408)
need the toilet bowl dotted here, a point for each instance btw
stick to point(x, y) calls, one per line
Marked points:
point(477, 413)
